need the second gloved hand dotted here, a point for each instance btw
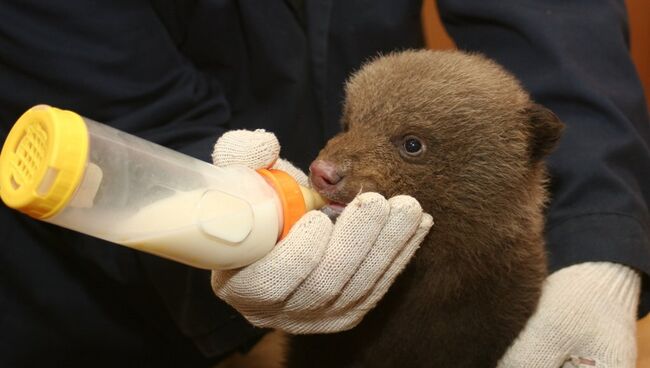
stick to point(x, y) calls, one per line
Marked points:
point(321, 277)
point(585, 318)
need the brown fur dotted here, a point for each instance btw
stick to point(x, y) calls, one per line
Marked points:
point(477, 278)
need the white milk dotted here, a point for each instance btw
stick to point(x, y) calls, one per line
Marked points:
point(79, 174)
point(204, 228)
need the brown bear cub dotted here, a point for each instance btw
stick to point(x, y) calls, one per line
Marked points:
point(458, 133)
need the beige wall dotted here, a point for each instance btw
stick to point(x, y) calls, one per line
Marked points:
point(639, 12)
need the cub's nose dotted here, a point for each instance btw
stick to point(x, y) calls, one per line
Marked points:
point(324, 175)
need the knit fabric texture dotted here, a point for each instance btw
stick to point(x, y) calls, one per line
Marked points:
point(586, 318)
point(322, 277)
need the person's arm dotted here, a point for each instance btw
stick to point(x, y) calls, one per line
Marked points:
point(115, 62)
point(573, 58)
point(118, 62)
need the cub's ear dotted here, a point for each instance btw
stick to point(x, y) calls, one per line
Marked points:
point(545, 129)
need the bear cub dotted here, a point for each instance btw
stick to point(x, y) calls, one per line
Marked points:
point(458, 133)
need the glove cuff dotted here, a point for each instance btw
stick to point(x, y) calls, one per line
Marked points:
point(610, 284)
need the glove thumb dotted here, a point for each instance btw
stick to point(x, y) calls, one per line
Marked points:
point(254, 149)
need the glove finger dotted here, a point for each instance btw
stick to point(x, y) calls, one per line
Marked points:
point(273, 278)
point(356, 230)
point(253, 149)
point(296, 173)
point(611, 361)
point(579, 362)
point(538, 346)
point(308, 324)
point(533, 356)
point(393, 271)
point(311, 322)
point(403, 221)
point(618, 350)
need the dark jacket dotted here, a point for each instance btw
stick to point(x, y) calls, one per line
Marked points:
point(181, 72)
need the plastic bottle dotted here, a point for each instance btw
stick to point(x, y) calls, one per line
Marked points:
point(59, 167)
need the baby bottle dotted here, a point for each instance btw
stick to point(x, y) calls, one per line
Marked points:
point(59, 167)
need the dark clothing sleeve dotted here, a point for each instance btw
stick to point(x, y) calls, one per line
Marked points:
point(68, 299)
point(573, 58)
point(114, 62)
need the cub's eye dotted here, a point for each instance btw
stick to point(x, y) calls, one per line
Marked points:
point(412, 146)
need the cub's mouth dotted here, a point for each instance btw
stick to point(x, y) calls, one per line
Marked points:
point(333, 209)
point(333, 183)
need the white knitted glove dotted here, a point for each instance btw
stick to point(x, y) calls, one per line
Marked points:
point(586, 318)
point(321, 277)
point(255, 149)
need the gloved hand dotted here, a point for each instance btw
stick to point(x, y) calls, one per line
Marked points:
point(321, 277)
point(586, 318)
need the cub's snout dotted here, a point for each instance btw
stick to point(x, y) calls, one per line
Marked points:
point(325, 176)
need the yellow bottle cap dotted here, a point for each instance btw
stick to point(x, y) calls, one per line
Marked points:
point(43, 161)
